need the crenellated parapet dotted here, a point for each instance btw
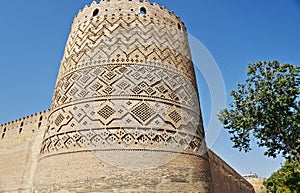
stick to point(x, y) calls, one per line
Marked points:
point(129, 8)
point(23, 126)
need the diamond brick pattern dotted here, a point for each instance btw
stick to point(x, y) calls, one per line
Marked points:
point(120, 80)
point(106, 112)
point(143, 112)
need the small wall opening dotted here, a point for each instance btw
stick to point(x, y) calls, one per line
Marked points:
point(143, 11)
point(3, 134)
point(20, 130)
point(22, 124)
point(41, 118)
point(39, 125)
point(96, 12)
point(179, 27)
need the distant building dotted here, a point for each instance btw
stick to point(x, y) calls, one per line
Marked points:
point(250, 176)
point(256, 182)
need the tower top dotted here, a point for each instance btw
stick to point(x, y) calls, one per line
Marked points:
point(128, 8)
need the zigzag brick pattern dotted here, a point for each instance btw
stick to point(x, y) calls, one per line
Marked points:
point(122, 71)
point(125, 110)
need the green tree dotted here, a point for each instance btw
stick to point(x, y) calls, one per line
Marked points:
point(266, 108)
point(286, 179)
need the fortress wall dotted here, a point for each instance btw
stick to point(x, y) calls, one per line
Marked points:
point(225, 178)
point(126, 90)
point(22, 127)
point(19, 152)
point(19, 147)
point(258, 184)
point(89, 173)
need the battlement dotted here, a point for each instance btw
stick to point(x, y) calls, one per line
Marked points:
point(26, 124)
point(19, 148)
point(129, 8)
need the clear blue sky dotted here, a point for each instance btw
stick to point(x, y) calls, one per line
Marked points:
point(33, 34)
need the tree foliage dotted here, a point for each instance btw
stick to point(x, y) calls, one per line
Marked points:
point(267, 108)
point(286, 179)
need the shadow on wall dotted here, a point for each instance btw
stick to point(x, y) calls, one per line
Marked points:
point(225, 178)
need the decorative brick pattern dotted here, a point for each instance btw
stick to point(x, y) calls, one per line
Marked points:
point(113, 59)
point(125, 99)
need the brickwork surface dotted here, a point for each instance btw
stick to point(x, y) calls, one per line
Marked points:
point(225, 178)
point(20, 143)
point(125, 113)
point(126, 95)
point(258, 184)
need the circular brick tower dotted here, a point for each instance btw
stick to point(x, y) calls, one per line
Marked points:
point(125, 112)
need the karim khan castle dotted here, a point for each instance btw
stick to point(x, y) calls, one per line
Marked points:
point(125, 114)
